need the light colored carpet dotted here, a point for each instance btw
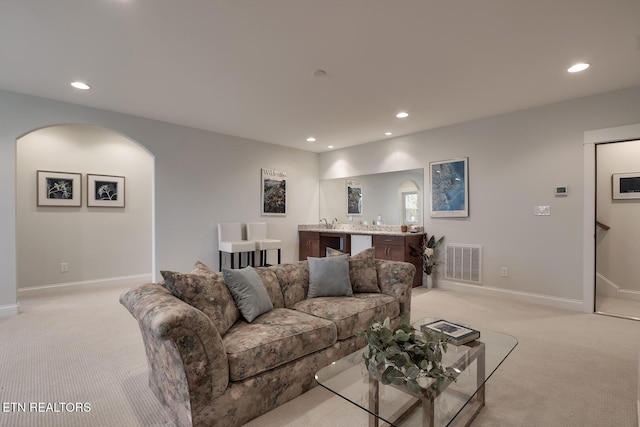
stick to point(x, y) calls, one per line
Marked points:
point(569, 369)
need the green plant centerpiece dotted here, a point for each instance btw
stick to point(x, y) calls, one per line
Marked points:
point(405, 354)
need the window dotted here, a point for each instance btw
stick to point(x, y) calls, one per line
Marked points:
point(410, 207)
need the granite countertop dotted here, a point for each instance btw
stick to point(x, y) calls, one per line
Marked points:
point(387, 230)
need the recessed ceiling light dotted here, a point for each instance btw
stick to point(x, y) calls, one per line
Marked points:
point(576, 68)
point(329, 146)
point(402, 114)
point(388, 133)
point(80, 85)
point(311, 139)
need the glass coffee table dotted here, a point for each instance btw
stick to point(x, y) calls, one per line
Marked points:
point(435, 404)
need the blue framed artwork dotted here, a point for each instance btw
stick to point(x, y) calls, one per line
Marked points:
point(450, 188)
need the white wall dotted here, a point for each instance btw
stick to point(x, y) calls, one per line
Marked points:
point(618, 249)
point(201, 178)
point(97, 243)
point(515, 162)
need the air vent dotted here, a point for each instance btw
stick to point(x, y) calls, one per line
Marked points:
point(463, 262)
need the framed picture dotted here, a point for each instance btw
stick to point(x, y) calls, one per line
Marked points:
point(450, 188)
point(59, 189)
point(105, 191)
point(625, 186)
point(354, 197)
point(274, 192)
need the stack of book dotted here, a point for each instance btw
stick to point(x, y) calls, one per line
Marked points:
point(457, 334)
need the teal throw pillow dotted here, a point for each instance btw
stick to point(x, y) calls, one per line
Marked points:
point(248, 291)
point(329, 277)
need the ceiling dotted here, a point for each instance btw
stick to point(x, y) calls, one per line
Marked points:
point(246, 67)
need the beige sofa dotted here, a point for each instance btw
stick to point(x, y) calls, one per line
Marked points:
point(209, 366)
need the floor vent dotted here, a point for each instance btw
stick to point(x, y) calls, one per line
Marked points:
point(463, 262)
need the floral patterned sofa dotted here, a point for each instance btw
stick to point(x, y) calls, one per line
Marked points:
point(209, 366)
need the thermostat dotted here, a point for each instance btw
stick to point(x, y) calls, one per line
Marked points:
point(562, 191)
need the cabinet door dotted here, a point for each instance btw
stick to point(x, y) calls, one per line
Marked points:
point(309, 245)
point(381, 251)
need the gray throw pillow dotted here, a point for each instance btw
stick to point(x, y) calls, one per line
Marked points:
point(248, 291)
point(329, 277)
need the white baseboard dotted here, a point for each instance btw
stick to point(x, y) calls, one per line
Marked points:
point(606, 287)
point(37, 291)
point(8, 310)
point(549, 301)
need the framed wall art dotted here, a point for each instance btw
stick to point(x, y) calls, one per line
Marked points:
point(354, 197)
point(274, 192)
point(59, 188)
point(105, 191)
point(625, 186)
point(450, 188)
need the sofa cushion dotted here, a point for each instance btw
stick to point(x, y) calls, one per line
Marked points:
point(248, 292)
point(270, 281)
point(329, 276)
point(351, 314)
point(273, 339)
point(294, 281)
point(202, 269)
point(207, 293)
point(362, 270)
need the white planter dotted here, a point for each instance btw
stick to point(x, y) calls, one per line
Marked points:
point(427, 280)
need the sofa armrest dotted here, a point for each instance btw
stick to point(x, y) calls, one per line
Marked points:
point(187, 360)
point(395, 278)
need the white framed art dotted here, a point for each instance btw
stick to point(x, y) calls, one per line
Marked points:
point(449, 188)
point(105, 191)
point(59, 188)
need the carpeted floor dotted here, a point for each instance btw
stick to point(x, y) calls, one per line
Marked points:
point(569, 368)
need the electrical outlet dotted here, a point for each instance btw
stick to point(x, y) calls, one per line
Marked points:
point(504, 272)
point(64, 267)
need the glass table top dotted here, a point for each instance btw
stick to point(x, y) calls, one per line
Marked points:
point(348, 378)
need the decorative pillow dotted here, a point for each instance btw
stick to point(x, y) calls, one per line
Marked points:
point(362, 270)
point(329, 277)
point(248, 292)
point(202, 269)
point(207, 293)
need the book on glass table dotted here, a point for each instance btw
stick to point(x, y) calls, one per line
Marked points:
point(457, 334)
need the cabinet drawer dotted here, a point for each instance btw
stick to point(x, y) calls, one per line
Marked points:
point(309, 235)
point(388, 240)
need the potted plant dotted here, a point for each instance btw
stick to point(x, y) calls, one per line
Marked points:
point(404, 356)
point(428, 255)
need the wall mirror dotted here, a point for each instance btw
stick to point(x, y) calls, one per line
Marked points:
point(393, 198)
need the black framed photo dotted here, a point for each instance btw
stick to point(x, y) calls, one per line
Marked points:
point(59, 188)
point(105, 191)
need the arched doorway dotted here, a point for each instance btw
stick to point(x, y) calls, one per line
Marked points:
point(71, 246)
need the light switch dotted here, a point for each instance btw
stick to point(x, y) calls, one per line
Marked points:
point(542, 210)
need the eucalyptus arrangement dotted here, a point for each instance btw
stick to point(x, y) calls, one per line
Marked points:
point(405, 355)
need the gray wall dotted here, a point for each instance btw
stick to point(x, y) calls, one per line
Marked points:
point(515, 162)
point(201, 178)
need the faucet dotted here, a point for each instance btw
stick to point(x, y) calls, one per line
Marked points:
point(335, 221)
point(325, 221)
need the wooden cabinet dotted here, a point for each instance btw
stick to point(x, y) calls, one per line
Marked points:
point(398, 248)
point(309, 244)
point(389, 247)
